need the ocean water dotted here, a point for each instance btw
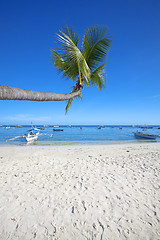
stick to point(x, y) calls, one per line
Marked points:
point(74, 135)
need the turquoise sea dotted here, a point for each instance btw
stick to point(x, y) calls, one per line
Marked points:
point(74, 134)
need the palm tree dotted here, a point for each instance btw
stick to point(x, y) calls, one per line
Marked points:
point(84, 66)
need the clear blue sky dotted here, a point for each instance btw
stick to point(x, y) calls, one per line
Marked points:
point(132, 94)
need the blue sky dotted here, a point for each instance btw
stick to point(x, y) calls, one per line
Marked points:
point(132, 94)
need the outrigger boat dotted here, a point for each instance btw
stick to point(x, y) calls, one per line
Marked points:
point(143, 135)
point(30, 137)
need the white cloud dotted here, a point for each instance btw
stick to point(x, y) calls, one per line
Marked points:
point(156, 96)
point(27, 119)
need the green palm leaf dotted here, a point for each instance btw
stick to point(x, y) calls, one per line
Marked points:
point(68, 69)
point(69, 58)
point(98, 77)
point(73, 56)
point(71, 33)
point(70, 101)
point(96, 45)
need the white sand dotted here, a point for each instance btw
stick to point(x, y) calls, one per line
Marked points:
point(80, 192)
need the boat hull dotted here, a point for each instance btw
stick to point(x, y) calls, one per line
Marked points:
point(32, 137)
point(57, 130)
point(145, 136)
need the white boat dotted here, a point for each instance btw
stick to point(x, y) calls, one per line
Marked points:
point(32, 136)
point(145, 135)
point(101, 126)
point(70, 126)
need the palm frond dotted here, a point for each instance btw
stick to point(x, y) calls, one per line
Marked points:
point(72, 54)
point(96, 45)
point(58, 60)
point(98, 77)
point(71, 33)
point(68, 70)
point(73, 61)
point(70, 101)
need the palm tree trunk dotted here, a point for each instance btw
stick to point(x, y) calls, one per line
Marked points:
point(12, 93)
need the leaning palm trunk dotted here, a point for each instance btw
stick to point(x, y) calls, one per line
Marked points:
point(82, 66)
point(12, 93)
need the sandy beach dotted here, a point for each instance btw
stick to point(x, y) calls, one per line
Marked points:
point(80, 192)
